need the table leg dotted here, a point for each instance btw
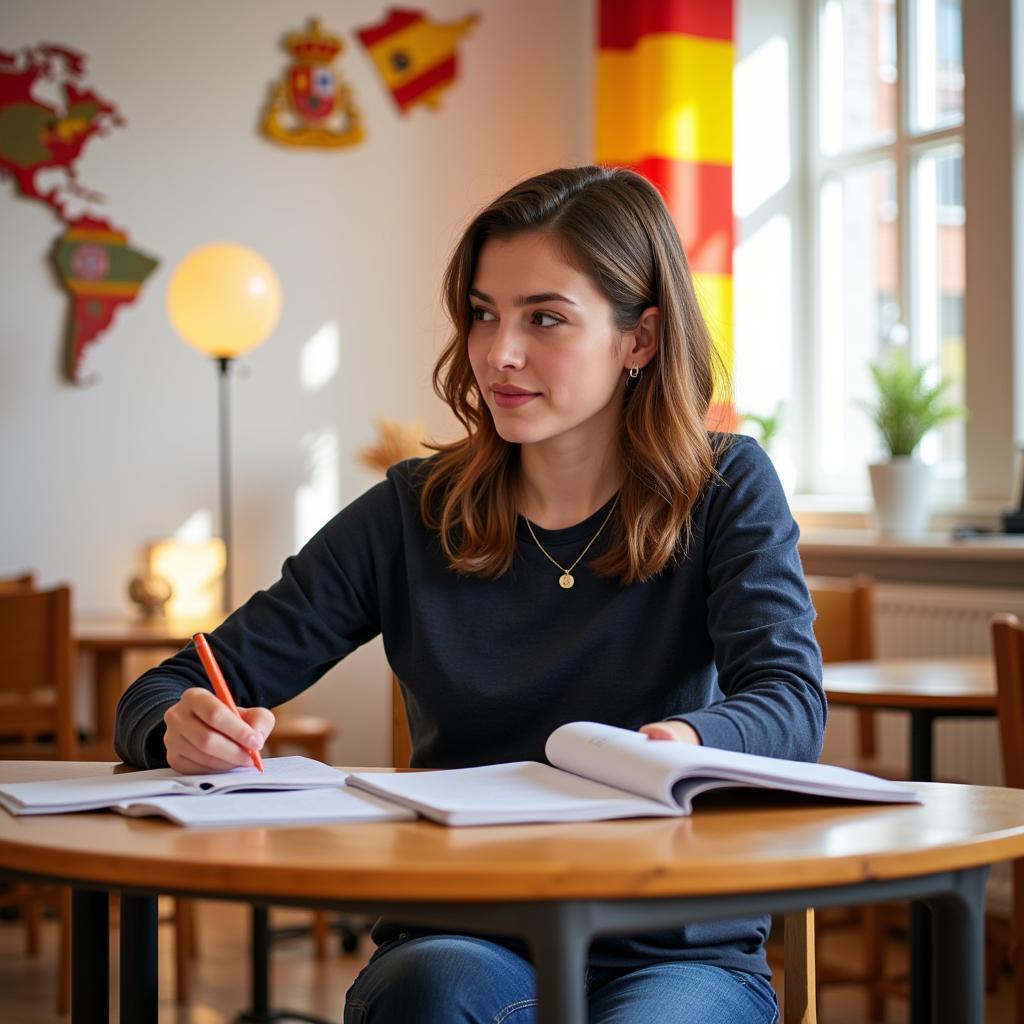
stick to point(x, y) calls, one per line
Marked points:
point(260, 1012)
point(921, 959)
point(139, 959)
point(90, 957)
point(109, 684)
point(921, 763)
point(559, 940)
point(958, 921)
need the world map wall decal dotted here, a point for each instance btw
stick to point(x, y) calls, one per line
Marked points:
point(40, 144)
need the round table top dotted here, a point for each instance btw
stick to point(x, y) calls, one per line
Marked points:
point(735, 842)
point(941, 684)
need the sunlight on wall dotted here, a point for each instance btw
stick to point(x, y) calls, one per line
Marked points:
point(320, 357)
point(761, 136)
point(317, 500)
point(198, 526)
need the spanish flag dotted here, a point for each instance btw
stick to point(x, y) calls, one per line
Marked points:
point(416, 58)
point(664, 109)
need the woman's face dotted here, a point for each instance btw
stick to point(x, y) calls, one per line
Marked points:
point(543, 346)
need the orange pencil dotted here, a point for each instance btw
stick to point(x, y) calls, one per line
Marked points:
point(220, 688)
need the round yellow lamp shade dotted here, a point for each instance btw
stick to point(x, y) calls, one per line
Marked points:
point(224, 299)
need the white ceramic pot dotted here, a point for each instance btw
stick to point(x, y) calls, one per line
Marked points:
point(901, 489)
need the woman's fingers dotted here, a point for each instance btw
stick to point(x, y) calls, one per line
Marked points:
point(259, 720)
point(203, 735)
point(682, 732)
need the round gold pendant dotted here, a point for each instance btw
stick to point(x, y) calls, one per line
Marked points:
point(566, 581)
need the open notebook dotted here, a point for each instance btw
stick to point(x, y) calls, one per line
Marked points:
point(291, 790)
point(599, 771)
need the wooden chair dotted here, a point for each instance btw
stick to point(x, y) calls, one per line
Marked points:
point(1008, 649)
point(37, 722)
point(844, 632)
point(36, 700)
point(799, 1001)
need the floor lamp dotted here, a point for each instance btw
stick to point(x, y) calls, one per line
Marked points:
point(224, 299)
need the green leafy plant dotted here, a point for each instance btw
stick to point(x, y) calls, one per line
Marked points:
point(767, 425)
point(906, 407)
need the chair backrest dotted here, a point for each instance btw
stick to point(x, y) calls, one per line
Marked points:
point(36, 700)
point(401, 742)
point(25, 583)
point(843, 626)
point(1008, 648)
point(844, 633)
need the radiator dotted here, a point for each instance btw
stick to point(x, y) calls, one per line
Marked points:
point(927, 621)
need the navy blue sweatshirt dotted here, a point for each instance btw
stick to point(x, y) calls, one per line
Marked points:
point(489, 667)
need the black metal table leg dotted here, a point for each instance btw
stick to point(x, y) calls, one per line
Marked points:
point(921, 746)
point(559, 940)
point(259, 1011)
point(90, 957)
point(959, 943)
point(140, 997)
point(921, 959)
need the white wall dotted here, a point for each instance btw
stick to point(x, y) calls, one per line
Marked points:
point(359, 239)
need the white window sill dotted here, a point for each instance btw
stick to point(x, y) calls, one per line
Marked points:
point(854, 511)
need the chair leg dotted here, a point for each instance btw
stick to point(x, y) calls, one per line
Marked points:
point(184, 949)
point(873, 948)
point(30, 914)
point(320, 930)
point(64, 951)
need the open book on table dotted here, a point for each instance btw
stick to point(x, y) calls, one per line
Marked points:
point(291, 790)
point(600, 771)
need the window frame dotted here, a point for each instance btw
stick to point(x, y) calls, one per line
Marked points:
point(993, 319)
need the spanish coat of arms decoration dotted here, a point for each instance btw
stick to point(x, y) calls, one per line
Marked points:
point(313, 105)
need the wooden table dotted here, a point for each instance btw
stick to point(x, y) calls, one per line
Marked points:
point(106, 640)
point(558, 886)
point(928, 689)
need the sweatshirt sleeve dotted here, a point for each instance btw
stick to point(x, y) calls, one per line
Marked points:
point(284, 638)
point(759, 616)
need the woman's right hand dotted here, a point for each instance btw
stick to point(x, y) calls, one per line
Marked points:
point(204, 736)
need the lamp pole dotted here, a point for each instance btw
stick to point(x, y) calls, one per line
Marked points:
point(224, 434)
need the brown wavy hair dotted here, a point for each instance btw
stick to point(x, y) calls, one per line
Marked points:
point(614, 226)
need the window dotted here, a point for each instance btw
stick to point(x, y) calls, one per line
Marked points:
point(885, 180)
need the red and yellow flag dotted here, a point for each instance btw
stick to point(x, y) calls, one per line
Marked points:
point(664, 108)
point(416, 58)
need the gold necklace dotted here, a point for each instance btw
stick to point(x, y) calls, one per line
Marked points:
point(566, 580)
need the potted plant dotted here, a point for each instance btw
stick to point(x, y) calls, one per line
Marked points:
point(905, 409)
point(771, 440)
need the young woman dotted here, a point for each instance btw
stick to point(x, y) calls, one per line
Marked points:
point(587, 552)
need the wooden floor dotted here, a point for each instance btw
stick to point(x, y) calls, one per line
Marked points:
point(299, 982)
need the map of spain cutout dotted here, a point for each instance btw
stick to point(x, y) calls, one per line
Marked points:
point(41, 141)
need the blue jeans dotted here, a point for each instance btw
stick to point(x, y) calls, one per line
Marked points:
point(459, 979)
